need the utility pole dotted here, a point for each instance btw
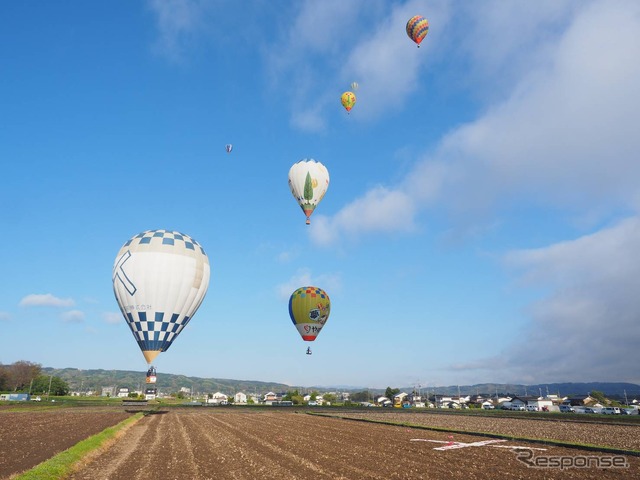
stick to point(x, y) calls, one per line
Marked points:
point(49, 391)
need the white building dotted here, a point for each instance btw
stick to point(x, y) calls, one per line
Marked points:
point(218, 398)
point(240, 398)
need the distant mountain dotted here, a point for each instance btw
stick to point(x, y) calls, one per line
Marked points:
point(84, 380)
point(169, 383)
point(610, 389)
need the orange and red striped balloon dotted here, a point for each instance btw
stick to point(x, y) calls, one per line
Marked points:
point(417, 28)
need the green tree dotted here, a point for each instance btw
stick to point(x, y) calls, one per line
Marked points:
point(329, 398)
point(41, 384)
point(599, 396)
point(391, 392)
point(360, 396)
point(290, 394)
point(4, 378)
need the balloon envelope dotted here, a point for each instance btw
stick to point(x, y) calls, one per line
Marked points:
point(354, 86)
point(417, 28)
point(160, 278)
point(348, 100)
point(309, 309)
point(308, 181)
point(229, 147)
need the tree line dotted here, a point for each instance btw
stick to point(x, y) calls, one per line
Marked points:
point(26, 377)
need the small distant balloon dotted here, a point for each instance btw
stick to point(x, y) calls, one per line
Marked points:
point(354, 86)
point(348, 100)
point(417, 28)
point(229, 147)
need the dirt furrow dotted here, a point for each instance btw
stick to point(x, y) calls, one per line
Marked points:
point(104, 464)
point(204, 444)
point(223, 454)
point(295, 465)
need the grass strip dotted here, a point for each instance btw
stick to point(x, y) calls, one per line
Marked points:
point(63, 463)
point(541, 441)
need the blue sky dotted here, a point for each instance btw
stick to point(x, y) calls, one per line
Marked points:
point(482, 221)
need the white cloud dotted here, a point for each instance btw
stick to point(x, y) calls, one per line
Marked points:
point(72, 316)
point(362, 41)
point(587, 326)
point(564, 135)
point(45, 300)
point(561, 136)
point(379, 210)
point(386, 64)
point(5, 317)
point(177, 20)
point(331, 283)
point(112, 317)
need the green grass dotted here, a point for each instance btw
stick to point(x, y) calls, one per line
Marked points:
point(63, 464)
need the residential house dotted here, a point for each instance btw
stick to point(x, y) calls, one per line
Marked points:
point(539, 403)
point(108, 391)
point(270, 397)
point(580, 401)
point(443, 401)
point(218, 398)
point(240, 398)
point(399, 398)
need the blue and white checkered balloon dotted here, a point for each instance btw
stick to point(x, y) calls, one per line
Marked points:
point(160, 278)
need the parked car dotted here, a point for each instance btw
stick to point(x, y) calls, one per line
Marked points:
point(532, 408)
point(518, 407)
point(589, 410)
point(567, 409)
point(488, 407)
point(610, 411)
point(625, 411)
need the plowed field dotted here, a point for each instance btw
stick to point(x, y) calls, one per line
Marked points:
point(30, 437)
point(282, 443)
point(208, 443)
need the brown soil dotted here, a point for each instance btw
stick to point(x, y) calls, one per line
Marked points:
point(32, 436)
point(207, 443)
point(626, 437)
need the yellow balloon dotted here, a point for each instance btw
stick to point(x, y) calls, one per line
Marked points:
point(348, 100)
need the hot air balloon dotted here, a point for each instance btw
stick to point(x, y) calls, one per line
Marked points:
point(160, 278)
point(417, 28)
point(348, 100)
point(309, 309)
point(228, 147)
point(354, 86)
point(308, 181)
